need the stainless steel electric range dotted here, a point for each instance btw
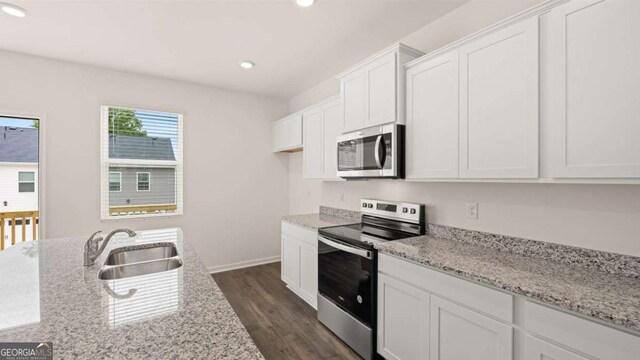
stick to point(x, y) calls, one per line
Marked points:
point(347, 269)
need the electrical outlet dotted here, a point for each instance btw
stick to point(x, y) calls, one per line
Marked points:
point(341, 196)
point(472, 210)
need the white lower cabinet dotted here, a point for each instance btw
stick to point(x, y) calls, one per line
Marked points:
point(299, 261)
point(424, 313)
point(458, 333)
point(403, 320)
point(536, 349)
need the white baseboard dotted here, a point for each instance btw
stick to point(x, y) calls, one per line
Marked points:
point(242, 264)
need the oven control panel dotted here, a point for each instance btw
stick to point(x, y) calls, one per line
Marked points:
point(393, 210)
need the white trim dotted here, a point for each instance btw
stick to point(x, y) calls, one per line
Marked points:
point(138, 180)
point(119, 181)
point(105, 163)
point(397, 47)
point(242, 264)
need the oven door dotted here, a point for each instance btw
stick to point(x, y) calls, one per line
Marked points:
point(346, 278)
point(371, 153)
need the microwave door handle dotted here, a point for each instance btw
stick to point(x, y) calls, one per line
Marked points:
point(349, 249)
point(377, 152)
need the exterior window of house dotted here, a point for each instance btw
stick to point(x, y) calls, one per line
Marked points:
point(138, 147)
point(115, 181)
point(144, 181)
point(26, 181)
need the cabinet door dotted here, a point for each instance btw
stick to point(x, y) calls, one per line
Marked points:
point(380, 88)
point(290, 261)
point(499, 104)
point(403, 320)
point(309, 273)
point(331, 124)
point(458, 333)
point(353, 101)
point(313, 152)
point(280, 133)
point(294, 131)
point(432, 119)
point(535, 349)
point(595, 83)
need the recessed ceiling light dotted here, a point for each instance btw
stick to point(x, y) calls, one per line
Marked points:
point(305, 3)
point(246, 64)
point(13, 10)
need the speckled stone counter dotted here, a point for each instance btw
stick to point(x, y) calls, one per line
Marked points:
point(47, 295)
point(325, 218)
point(609, 297)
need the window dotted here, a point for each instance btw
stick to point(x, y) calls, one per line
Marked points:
point(26, 181)
point(138, 147)
point(144, 181)
point(115, 181)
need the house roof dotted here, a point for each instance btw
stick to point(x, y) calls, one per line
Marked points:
point(18, 144)
point(21, 145)
point(140, 147)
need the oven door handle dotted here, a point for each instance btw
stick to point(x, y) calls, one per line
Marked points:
point(349, 249)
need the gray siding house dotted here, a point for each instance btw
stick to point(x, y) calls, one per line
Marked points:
point(141, 185)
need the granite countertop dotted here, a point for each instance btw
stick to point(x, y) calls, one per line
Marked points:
point(318, 221)
point(48, 295)
point(609, 297)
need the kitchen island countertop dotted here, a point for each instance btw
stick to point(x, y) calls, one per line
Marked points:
point(48, 295)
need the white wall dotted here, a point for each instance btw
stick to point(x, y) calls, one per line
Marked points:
point(603, 217)
point(235, 189)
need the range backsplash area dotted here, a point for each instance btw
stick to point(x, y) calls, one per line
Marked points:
point(599, 217)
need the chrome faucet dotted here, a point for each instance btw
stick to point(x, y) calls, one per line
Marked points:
point(91, 249)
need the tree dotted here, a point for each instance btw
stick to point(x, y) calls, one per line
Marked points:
point(35, 124)
point(125, 122)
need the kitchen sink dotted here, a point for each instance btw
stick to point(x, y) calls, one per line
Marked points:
point(130, 255)
point(140, 268)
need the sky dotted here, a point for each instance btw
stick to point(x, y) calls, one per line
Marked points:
point(15, 122)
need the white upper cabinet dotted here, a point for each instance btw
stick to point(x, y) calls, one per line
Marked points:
point(331, 126)
point(312, 154)
point(499, 104)
point(322, 126)
point(594, 57)
point(432, 118)
point(287, 133)
point(372, 92)
point(353, 101)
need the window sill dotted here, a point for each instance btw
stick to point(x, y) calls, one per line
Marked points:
point(139, 217)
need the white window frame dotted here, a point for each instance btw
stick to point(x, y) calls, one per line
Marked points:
point(138, 180)
point(105, 163)
point(27, 182)
point(119, 181)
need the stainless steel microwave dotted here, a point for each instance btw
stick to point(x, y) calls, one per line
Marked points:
point(377, 152)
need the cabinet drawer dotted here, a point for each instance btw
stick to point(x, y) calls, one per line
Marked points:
point(306, 235)
point(479, 297)
point(584, 335)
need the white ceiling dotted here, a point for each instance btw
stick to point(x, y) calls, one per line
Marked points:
point(202, 41)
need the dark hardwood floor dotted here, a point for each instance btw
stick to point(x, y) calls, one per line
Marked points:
point(282, 325)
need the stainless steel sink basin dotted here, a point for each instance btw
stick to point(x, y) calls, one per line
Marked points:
point(141, 253)
point(137, 269)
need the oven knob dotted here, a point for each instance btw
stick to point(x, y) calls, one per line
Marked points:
point(413, 211)
point(405, 210)
point(364, 205)
point(359, 298)
point(370, 206)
